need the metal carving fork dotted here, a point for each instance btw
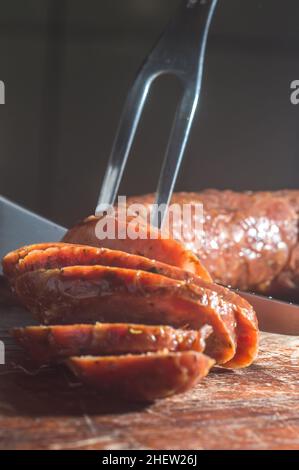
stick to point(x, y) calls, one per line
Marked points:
point(180, 51)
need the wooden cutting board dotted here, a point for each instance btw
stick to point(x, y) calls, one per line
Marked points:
point(254, 408)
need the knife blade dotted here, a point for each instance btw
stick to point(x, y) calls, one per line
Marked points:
point(274, 316)
point(19, 226)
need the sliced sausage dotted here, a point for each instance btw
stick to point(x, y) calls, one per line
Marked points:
point(142, 377)
point(12, 263)
point(99, 293)
point(58, 255)
point(166, 250)
point(51, 343)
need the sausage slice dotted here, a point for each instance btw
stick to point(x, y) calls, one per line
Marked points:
point(51, 343)
point(166, 250)
point(145, 377)
point(99, 293)
point(59, 255)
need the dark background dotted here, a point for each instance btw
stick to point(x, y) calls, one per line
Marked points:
point(67, 66)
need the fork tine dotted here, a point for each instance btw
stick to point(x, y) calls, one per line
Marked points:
point(185, 113)
point(174, 153)
point(180, 51)
point(123, 141)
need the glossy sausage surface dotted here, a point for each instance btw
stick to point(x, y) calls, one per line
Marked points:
point(60, 255)
point(251, 239)
point(83, 294)
point(166, 250)
point(52, 343)
point(142, 377)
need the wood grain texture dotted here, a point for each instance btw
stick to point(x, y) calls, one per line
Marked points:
point(254, 408)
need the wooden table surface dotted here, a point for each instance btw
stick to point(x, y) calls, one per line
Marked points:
point(255, 408)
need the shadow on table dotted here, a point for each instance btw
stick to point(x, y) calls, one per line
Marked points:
point(52, 392)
